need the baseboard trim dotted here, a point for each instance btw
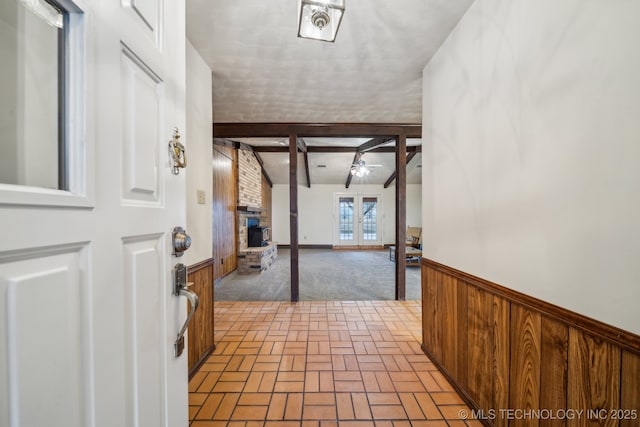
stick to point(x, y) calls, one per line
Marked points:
point(459, 389)
point(307, 246)
point(358, 248)
point(217, 281)
point(202, 360)
point(615, 335)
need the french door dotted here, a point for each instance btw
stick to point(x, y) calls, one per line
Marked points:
point(359, 220)
point(88, 316)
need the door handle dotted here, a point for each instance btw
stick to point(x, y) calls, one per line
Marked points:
point(180, 289)
point(194, 300)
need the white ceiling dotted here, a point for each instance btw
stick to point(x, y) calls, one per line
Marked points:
point(262, 72)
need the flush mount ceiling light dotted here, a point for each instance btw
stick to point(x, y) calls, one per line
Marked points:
point(320, 19)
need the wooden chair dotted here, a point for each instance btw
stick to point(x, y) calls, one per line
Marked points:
point(414, 236)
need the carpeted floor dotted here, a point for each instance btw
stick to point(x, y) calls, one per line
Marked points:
point(325, 275)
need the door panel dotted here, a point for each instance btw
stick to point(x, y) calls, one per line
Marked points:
point(144, 304)
point(90, 327)
point(141, 107)
point(148, 11)
point(47, 365)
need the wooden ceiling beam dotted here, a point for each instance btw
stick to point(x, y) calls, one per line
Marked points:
point(361, 149)
point(371, 146)
point(306, 168)
point(222, 142)
point(356, 159)
point(332, 149)
point(410, 157)
point(302, 146)
point(269, 149)
point(283, 130)
point(264, 171)
point(373, 143)
point(242, 146)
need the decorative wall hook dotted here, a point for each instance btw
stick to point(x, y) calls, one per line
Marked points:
point(176, 152)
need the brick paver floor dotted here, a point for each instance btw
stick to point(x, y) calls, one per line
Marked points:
point(321, 364)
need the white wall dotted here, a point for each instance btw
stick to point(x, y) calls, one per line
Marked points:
point(531, 142)
point(316, 216)
point(198, 140)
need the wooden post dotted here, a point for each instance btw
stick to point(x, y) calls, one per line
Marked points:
point(293, 215)
point(401, 216)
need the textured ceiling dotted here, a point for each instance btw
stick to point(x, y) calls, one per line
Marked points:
point(372, 74)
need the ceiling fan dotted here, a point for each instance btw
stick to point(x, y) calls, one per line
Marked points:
point(360, 169)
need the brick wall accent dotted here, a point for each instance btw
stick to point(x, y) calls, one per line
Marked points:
point(249, 180)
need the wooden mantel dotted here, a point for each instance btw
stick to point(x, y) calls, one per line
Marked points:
point(250, 209)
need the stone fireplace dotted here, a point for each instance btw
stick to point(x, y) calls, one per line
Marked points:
point(251, 259)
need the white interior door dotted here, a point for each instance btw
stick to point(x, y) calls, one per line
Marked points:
point(359, 220)
point(88, 318)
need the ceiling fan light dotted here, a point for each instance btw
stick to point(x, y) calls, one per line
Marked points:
point(320, 19)
point(359, 169)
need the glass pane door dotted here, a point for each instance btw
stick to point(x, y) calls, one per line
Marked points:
point(359, 220)
point(346, 207)
point(369, 221)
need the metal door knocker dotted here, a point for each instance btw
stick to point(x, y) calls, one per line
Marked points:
point(176, 152)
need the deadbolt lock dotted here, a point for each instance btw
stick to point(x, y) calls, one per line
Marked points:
point(180, 241)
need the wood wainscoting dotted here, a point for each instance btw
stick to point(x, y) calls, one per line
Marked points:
point(504, 350)
point(200, 341)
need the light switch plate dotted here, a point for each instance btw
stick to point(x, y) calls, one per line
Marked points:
point(201, 197)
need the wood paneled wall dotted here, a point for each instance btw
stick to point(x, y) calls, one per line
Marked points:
point(225, 196)
point(201, 326)
point(265, 218)
point(506, 350)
